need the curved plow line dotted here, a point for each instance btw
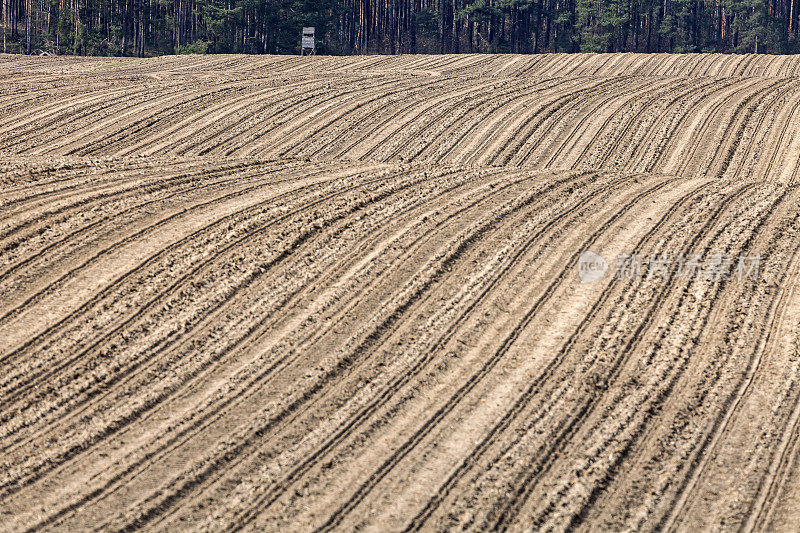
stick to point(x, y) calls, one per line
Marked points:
point(394, 133)
point(297, 106)
point(460, 94)
point(75, 413)
point(428, 425)
point(702, 458)
point(575, 127)
point(579, 129)
point(20, 388)
point(202, 422)
point(632, 123)
point(517, 500)
point(704, 107)
point(394, 124)
point(650, 136)
point(641, 431)
point(311, 124)
point(465, 115)
point(385, 396)
point(147, 261)
point(198, 121)
point(473, 132)
point(489, 439)
point(368, 119)
point(550, 109)
point(165, 186)
point(747, 120)
point(437, 267)
point(172, 289)
point(168, 106)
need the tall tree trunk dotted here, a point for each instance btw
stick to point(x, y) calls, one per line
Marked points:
point(28, 5)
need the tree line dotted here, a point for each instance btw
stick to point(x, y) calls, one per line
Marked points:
point(152, 27)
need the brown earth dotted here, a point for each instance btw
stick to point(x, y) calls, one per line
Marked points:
point(283, 293)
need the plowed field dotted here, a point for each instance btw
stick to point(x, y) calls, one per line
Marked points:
point(294, 294)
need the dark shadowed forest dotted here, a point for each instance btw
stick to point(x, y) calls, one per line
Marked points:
point(152, 27)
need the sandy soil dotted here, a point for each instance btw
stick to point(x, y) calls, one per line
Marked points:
point(291, 294)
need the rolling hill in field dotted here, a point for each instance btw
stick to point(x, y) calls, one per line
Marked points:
point(284, 293)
